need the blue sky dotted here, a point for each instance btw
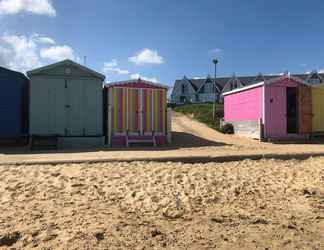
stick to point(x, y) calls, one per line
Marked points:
point(163, 40)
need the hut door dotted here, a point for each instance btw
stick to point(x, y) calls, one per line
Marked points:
point(147, 117)
point(292, 114)
point(73, 108)
point(119, 112)
point(318, 110)
point(154, 111)
point(133, 111)
point(159, 110)
point(305, 109)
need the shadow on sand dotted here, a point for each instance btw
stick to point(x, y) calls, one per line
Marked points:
point(179, 140)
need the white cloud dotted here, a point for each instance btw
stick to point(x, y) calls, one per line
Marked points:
point(146, 56)
point(40, 7)
point(18, 52)
point(44, 40)
point(58, 53)
point(112, 67)
point(215, 51)
point(23, 53)
point(136, 76)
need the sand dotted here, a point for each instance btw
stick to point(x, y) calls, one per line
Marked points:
point(265, 204)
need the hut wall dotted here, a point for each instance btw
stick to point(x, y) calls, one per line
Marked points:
point(136, 111)
point(66, 107)
point(243, 106)
point(13, 104)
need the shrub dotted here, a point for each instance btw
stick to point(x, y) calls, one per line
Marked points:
point(227, 129)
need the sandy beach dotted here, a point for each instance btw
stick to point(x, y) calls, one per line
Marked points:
point(266, 204)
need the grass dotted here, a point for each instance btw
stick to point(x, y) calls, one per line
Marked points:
point(203, 113)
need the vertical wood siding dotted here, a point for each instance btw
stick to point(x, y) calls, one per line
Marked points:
point(318, 109)
point(127, 115)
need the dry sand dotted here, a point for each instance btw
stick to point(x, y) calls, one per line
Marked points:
point(266, 204)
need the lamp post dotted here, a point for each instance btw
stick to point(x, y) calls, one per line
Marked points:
point(215, 62)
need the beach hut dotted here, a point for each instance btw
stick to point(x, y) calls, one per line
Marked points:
point(13, 105)
point(280, 108)
point(136, 113)
point(66, 105)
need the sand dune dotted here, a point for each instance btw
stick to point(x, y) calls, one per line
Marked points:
point(265, 204)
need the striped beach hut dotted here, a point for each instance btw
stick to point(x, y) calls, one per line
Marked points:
point(136, 113)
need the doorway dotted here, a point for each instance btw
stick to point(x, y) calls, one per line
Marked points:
point(292, 110)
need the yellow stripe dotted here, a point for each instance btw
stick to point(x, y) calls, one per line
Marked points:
point(156, 113)
point(115, 109)
point(164, 110)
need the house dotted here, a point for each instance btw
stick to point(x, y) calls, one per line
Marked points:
point(279, 108)
point(13, 105)
point(66, 105)
point(203, 90)
point(136, 113)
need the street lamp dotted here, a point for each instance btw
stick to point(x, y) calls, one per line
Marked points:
point(215, 62)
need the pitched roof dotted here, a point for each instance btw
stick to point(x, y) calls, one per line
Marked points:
point(245, 80)
point(5, 71)
point(135, 81)
point(66, 62)
point(267, 82)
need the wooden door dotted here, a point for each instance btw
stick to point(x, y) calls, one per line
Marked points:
point(133, 110)
point(147, 99)
point(159, 110)
point(74, 112)
point(119, 110)
point(275, 111)
point(305, 109)
point(318, 109)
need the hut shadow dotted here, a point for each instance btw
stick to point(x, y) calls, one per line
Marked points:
point(179, 140)
point(312, 141)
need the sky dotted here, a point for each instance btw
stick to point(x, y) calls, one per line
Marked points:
point(163, 40)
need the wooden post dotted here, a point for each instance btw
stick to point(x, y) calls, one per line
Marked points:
point(169, 125)
point(109, 115)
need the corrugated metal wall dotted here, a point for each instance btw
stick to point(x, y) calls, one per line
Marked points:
point(13, 104)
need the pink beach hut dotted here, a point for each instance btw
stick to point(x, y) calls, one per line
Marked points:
point(280, 108)
point(136, 113)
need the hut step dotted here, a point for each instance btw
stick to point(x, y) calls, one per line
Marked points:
point(144, 142)
point(43, 142)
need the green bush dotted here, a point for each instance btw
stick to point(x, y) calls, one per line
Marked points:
point(227, 129)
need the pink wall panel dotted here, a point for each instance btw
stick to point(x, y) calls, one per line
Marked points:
point(245, 105)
